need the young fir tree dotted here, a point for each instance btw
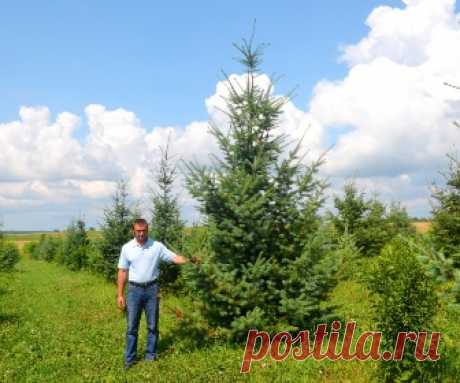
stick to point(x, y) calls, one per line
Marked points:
point(369, 221)
point(446, 214)
point(75, 247)
point(269, 265)
point(167, 226)
point(404, 299)
point(116, 231)
point(9, 256)
point(351, 209)
point(398, 221)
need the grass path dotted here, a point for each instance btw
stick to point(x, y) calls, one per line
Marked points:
point(62, 326)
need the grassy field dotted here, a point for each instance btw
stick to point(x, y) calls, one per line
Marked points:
point(32, 236)
point(62, 326)
point(22, 238)
point(57, 325)
point(422, 227)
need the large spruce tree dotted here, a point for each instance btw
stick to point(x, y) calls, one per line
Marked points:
point(269, 265)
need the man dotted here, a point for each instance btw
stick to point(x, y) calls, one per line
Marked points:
point(139, 262)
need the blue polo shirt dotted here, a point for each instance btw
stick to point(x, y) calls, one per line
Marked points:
point(143, 261)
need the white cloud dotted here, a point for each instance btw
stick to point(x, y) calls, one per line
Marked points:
point(393, 102)
point(48, 165)
point(34, 148)
point(97, 189)
point(403, 35)
point(194, 142)
point(116, 141)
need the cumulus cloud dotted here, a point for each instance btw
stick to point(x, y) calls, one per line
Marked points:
point(34, 148)
point(97, 189)
point(115, 135)
point(393, 102)
point(46, 164)
point(404, 35)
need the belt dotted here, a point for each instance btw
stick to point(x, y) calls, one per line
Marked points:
point(143, 284)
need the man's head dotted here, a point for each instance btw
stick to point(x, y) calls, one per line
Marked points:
point(140, 230)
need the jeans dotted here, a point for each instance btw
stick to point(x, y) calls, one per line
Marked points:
point(138, 299)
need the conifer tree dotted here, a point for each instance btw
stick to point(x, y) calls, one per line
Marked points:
point(369, 221)
point(446, 213)
point(9, 253)
point(269, 265)
point(404, 299)
point(398, 221)
point(75, 245)
point(9, 256)
point(351, 209)
point(167, 226)
point(116, 230)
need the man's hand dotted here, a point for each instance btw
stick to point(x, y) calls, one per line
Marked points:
point(195, 259)
point(181, 260)
point(121, 302)
point(121, 281)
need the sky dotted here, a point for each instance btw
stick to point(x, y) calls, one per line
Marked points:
point(91, 89)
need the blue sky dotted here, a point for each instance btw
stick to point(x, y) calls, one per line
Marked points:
point(87, 85)
point(162, 59)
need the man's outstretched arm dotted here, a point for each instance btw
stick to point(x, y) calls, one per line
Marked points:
point(181, 260)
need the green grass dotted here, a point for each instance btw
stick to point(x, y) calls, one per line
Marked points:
point(62, 326)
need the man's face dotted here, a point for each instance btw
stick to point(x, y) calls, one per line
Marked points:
point(141, 232)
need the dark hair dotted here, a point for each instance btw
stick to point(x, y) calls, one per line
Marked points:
point(140, 221)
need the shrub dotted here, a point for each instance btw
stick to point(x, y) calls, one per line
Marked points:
point(75, 246)
point(369, 221)
point(94, 258)
point(446, 277)
point(348, 257)
point(9, 256)
point(47, 248)
point(405, 299)
point(446, 213)
point(398, 221)
point(29, 248)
